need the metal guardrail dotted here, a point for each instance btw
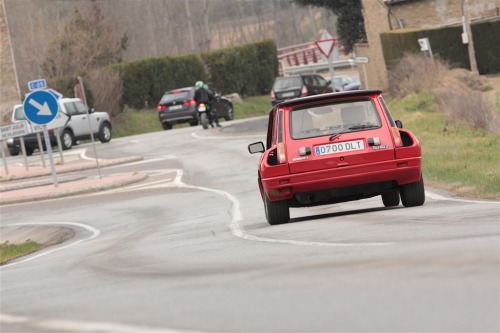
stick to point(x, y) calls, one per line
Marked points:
point(318, 66)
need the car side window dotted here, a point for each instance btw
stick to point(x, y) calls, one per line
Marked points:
point(321, 81)
point(80, 107)
point(70, 109)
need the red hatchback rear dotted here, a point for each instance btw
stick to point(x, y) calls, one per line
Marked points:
point(334, 148)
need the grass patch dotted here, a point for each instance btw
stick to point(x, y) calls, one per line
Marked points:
point(455, 158)
point(12, 251)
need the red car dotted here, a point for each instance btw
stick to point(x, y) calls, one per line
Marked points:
point(337, 147)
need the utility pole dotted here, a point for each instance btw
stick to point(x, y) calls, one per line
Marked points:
point(190, 25)
point(467, 36)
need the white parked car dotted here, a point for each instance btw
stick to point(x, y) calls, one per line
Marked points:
point(76, 129)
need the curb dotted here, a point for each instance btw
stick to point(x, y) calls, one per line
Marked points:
point(106, 185)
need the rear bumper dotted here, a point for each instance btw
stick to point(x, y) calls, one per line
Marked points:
point(395, 172)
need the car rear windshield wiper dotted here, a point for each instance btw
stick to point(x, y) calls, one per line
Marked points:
point(334, 135)
point(362, 126)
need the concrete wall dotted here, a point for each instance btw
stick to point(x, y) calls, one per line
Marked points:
point(9, 91)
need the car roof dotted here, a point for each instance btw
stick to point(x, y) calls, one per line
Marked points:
point(179, 89)
point(329, 97)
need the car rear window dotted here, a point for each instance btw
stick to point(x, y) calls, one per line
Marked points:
point(329, 119)
point(176, 95)
point(287, 83)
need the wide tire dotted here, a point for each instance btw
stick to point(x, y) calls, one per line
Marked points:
point(413, 194)
point(204, 120)
point(391, 198)
point(105, 133)
point(67, 139)
point(277, 212)
point(166, 126)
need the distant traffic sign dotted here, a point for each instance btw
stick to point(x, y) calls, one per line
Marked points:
point(361, 60)
point(326, 46)
point(37, 85)
point(40, 107)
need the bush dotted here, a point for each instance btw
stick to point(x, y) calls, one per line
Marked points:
point(458, 92)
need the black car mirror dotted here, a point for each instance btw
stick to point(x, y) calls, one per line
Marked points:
point(256, 147)
point(399, 124)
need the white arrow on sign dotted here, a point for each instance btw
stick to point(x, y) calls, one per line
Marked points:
point(43, 110)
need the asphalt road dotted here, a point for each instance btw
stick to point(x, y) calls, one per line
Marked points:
point(190, 250)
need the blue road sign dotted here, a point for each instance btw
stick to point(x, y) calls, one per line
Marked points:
point(37, 84)
point(40, 107)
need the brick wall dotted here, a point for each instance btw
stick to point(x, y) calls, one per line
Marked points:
point(9, 89)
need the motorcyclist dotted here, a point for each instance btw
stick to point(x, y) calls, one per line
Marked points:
point(205, 95)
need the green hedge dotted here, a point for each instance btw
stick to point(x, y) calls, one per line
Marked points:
point(446, 43)
point(145, 81)
point(247, 70)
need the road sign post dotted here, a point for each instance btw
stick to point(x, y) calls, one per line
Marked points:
point(41, 107)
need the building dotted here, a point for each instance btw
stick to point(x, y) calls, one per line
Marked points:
point(386, 15)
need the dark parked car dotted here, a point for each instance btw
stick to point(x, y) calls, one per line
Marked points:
point(178, 106)
point(333, 148)
point(293, 86)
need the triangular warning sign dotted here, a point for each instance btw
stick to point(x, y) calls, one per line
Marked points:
point(326, 46)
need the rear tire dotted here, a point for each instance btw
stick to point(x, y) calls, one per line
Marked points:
point(391, 198)
point(166, 126)
point(413, 194)
point(230, 113)
point(105, 133)
point(67, 140)
point(277, 212)
point(204, 120)
point(29, 151)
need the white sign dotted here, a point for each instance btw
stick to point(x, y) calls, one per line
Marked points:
point(424, 44)
point(20, 128)
point(361, 60)
point(60, 120)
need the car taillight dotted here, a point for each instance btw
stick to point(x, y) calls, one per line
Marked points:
point(273, 95)
point(304, 91)
point(281, 153)
point(161, 108)
point(396, 137)
point(190, 102)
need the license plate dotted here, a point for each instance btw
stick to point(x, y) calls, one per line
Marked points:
point(288, 94)
point(341, 147)
point(175, 107)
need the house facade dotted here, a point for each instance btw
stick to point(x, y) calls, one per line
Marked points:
point(387, 15)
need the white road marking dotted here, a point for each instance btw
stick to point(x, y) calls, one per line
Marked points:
point(59, 325)
point(95, 232)
point(221, 137)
